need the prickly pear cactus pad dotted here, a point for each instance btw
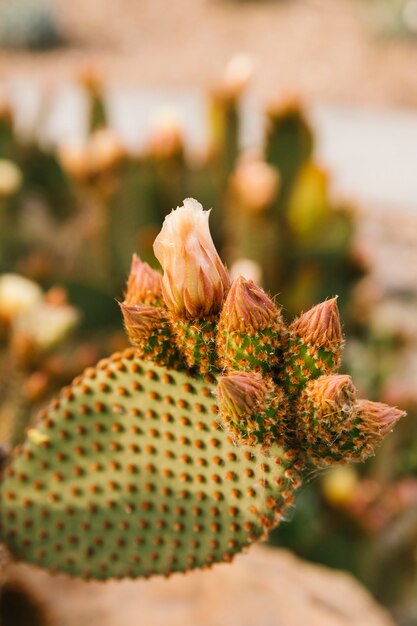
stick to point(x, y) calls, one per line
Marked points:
point(189, 446)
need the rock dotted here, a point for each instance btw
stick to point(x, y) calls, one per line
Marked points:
point(266, 587)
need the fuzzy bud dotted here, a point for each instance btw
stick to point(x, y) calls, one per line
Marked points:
point(149, 331)
point(377, 419)
point(142, 321)
point(144, 285)
point(248, 306)
point(320, 326)
point(325, 417)
point(242, 394)
point(195, 281)
point(331, 394)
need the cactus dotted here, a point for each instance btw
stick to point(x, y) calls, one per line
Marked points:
point(183, 450)
point(29, 24)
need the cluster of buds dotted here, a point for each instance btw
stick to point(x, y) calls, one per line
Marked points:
point(276, 384)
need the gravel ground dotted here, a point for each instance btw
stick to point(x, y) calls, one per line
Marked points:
point(319, 48)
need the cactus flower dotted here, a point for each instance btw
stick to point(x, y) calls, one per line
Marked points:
point(195, 281)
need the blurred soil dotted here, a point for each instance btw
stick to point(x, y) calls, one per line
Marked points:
point(321, 49)
point(263, 588)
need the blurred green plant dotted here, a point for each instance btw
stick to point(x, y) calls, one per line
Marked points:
point(392, 18)
point(29, 24)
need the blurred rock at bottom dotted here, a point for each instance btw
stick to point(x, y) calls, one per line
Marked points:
point(262, 588)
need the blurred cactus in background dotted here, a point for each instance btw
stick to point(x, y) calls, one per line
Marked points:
point(34, 327)
point(30, 24)
point(392, 18)
point(282, 216)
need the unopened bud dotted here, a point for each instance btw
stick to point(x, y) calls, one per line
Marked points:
point(248, 307)
point(142, 321)
point(377, 419)
point(242, 394)
point(332, 394)
point(195, 281)
point(144, 285)
point(320, 326)
point(149, 331)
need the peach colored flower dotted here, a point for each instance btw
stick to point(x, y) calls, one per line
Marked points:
point(195, 281)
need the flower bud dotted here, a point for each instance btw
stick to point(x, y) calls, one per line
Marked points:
point(195, 281)
point(320, 326)
point(142, 321)
point(325, 415)
point(149, 331)
point(248, 307)
point(377, 419)
point(143, 285)
point(242, 394)
point(331, 395)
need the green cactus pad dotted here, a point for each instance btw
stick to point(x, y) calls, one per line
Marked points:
point(129, 474)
